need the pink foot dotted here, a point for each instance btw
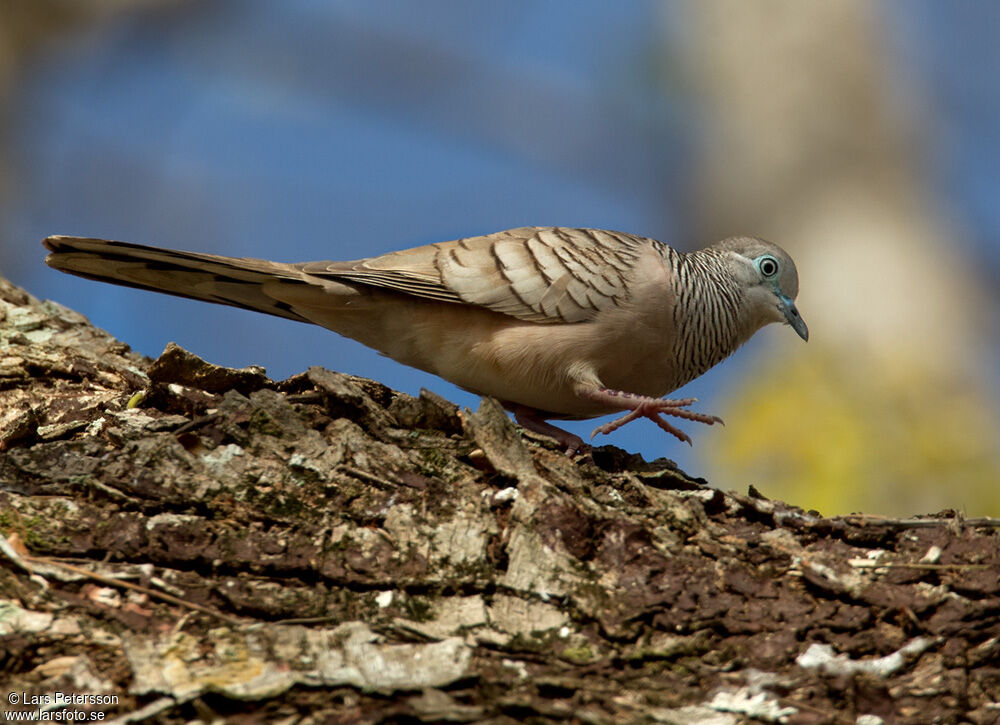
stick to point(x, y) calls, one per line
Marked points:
point(531, 419)
point(641, 406)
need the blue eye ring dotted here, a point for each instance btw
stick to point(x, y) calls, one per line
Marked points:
point(768, 266)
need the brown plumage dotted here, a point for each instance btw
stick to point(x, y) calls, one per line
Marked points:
point(554, 322)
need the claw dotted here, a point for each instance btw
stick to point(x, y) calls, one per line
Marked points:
point(616, 424)
point(636, 406)
point(531, 419)
point(675, 432)
point(642, 407)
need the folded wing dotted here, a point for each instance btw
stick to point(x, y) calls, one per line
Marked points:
point(536, 274)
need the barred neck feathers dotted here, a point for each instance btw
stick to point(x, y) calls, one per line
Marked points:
point(708, 313)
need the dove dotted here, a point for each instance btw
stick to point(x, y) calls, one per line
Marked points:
point(556, 323)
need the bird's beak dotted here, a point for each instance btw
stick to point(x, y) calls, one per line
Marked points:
point(791, 313)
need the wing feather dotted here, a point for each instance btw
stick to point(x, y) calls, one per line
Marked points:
point(536, 274)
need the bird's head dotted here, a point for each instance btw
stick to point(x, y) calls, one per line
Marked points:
point(768, 278)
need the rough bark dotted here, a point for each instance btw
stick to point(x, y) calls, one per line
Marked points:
point(200, 542)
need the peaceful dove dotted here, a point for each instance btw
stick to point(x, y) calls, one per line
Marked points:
point(553, 322)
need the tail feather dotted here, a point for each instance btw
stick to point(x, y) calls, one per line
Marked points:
point(239, 282)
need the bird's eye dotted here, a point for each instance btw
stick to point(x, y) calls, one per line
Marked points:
point(768, 266)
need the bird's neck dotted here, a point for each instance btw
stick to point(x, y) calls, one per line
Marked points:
point(710, 314)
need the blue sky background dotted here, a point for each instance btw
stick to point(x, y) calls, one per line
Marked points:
point(309, 130)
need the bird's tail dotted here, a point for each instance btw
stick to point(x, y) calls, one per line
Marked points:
point(239, 282)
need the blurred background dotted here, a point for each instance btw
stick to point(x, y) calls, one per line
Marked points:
point(863, 137)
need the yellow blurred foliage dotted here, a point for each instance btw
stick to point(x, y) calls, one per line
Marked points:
point(834, 436)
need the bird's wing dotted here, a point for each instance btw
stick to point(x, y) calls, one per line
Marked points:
point(536, 274)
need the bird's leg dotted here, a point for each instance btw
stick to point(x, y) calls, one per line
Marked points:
point(532, 420)
point(641, 406)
